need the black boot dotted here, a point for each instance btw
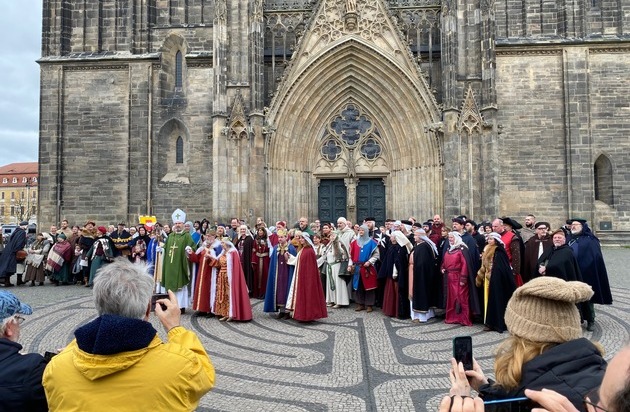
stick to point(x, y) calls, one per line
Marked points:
point(19, 280)
point(590, 325)
point(6, 282)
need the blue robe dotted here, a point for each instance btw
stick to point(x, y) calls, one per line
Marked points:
point(588, 253)
point(364, 256)
point(270, 294)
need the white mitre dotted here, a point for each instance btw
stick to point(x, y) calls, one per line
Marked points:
point(179, 216)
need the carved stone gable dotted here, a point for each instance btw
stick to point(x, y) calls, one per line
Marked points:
point(370, 20)
point(237, 128)
point(470, 118)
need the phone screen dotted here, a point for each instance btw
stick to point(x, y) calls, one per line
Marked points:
point(509, 405)
point(462, 351)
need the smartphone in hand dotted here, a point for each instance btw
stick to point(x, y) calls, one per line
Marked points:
point(462, 351)
point(509, 405)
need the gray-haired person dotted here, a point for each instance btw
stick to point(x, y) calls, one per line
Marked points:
point(20, 375)
point(118, 359)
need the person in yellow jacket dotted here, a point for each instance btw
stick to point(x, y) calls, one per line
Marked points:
point(117, 362)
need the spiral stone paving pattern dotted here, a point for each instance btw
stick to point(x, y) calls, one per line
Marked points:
point(351, 361)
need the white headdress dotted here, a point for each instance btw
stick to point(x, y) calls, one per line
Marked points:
point(179, 216)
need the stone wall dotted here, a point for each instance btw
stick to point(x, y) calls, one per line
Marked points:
point(555, 123)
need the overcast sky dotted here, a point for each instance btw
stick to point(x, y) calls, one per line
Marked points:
point(20, 46)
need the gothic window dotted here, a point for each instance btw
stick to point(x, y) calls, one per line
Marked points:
point(350, 125)
point(603, 176)
point(348, 129)
point(331, 150)
point(370, 149)
point(178, 70)
point(15, 180)
point(24, 180)
point(4, 180)
point(179, 150)
point(34, 180)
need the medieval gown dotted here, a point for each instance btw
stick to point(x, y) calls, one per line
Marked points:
point(498, 284)
point(306, 295)
point(232, 295)
point(335, 259)
point(455, 270)
point(279, 279)
point(260, 265)
point(394, 269)
point(205, 279)
point(424, 282)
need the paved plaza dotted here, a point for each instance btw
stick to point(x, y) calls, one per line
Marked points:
point(351, 361)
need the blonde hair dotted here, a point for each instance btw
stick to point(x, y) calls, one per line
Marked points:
point(513, 353)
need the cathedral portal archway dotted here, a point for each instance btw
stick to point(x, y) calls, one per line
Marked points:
point(353, 73)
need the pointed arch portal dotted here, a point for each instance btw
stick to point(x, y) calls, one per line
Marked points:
point(392, 108)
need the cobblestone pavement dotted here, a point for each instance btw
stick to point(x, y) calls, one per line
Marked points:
point(351, 361)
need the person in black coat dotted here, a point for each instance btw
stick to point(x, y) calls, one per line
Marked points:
point(20, 375)
point(8, 259)
point(424, 278)
point(496, 279)
point(559, 260)
point(588, 252)
point(395, 269)
point(546, 348)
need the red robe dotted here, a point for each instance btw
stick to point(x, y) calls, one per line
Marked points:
point(241, 308)
point(309, 302)
point(201, 292)
point(456, 273)
point(260, 263)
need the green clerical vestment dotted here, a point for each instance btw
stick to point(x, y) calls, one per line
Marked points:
point(175, 266)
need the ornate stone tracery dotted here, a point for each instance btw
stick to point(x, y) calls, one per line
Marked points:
point(238, 125)
point(470, 118)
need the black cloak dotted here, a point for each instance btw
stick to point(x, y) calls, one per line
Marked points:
point(502, 285)
point(8, 261)
point(426, 278)
point(560, 262)
point(588, 252)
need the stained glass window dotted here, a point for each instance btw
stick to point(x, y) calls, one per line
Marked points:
point(370, 149)
point(331, 150)
point(350, 127)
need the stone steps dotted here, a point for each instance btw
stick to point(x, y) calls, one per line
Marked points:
point(614, 237)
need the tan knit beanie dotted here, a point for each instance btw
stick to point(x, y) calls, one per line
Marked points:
point(543, 310)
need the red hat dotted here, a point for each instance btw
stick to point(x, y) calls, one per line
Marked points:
point(102, 229)
point(281, 223)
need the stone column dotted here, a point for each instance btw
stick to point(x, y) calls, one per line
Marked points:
point(580, 190)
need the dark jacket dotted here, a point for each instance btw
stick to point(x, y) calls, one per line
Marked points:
point(8, 262)
point(572, 369)
point(21, 379)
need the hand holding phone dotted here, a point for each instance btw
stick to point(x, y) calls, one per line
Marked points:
point(462, 351)
point(521, 404)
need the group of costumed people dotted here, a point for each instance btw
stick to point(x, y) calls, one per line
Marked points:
point(220, 287)
point(406, 271)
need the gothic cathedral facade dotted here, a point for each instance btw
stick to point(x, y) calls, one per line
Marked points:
point(288, 108)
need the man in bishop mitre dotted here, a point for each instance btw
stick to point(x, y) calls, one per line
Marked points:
point(175, 268)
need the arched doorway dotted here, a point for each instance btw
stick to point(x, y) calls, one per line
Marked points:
point(351, 148)
point(352, 77)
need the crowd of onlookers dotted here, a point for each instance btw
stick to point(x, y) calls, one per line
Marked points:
point(539, 285)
